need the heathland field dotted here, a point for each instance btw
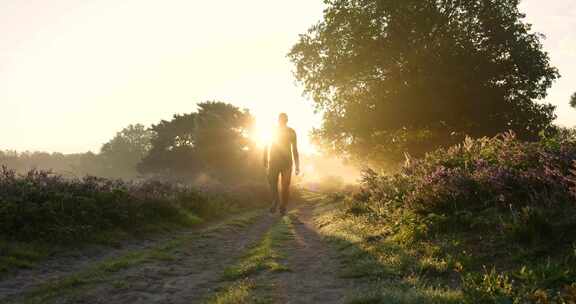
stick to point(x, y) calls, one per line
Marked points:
point(488, 221)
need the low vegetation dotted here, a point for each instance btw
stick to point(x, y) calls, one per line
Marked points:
point(239, 292)
point(266, 255)
point(40, 210)
point(487, 221)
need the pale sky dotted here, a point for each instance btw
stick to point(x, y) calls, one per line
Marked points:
point(74, 72)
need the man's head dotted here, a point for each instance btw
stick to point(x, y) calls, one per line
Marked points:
point(283, 119)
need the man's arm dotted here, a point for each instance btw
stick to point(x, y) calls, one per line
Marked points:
point(295, 152)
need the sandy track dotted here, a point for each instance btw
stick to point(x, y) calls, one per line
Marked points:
point(195, 263)
point(189, 278)
point(67, 263)
point(192, 271)
point(314, 276)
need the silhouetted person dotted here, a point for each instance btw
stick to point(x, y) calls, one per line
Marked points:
point(279, 158)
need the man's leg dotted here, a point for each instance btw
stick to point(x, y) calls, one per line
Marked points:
point(286, 178)
point(273, 174)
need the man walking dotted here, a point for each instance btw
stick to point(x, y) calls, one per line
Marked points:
point(279, 157)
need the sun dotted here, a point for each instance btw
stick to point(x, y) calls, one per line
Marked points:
point(264, 137)
point(265, 127)
point(263, 132)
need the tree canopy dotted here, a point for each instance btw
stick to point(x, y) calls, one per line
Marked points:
point(122, 153)
point(213, 141)
point(573, 100)
point(396, 76)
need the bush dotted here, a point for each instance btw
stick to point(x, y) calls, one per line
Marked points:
point(492, 203)
point(500, 172)
point(43, 206)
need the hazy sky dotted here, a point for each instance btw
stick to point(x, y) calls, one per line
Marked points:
point(74, 72)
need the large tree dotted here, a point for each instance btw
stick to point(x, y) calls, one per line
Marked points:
point(213, 141)
point(573, 100)
point(395, 76)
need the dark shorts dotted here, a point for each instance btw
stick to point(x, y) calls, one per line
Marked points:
point(283, 175)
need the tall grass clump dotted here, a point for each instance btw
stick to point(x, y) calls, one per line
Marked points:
point(499, 212)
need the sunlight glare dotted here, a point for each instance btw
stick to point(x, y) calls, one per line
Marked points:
point(264, 132)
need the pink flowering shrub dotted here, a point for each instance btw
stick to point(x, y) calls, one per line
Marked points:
point(500, 172)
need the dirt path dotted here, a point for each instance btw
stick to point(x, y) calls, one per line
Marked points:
point(66, 263)
point(189, 268)
point(189, 277)
point(224, 235)
point(314, 276)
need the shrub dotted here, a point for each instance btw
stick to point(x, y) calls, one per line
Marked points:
point(43, 206)
point(500, 172)
point(498, 203)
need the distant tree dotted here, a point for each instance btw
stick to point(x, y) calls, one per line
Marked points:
point(88, 163)
point(408, 76)
point(72, 165)
point(172, 148)
point(172, 141)
point(122, 153)
point(214, 141)
point(573, 100)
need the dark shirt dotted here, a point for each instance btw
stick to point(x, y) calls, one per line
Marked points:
point(283, 149)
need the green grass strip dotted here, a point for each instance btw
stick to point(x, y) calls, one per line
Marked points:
point(265, 255)
point(239, 292)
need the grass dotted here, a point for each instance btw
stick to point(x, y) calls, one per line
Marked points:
point(100, 272)
point(17, 255)
point(22, 255)
point(243, 291)
point(390, 273)
point(264, 256)
point(400, 262)
point(239, 292)
point(95, 274)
